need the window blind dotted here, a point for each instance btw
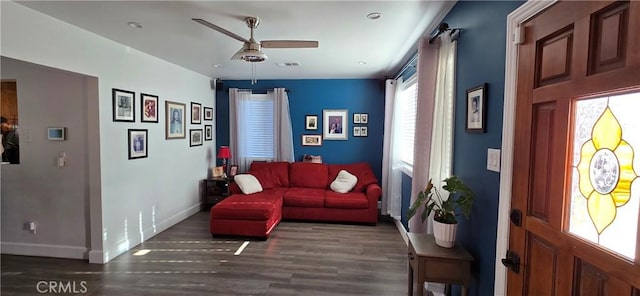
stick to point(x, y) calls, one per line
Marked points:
point(258, 115)
point(408, 103)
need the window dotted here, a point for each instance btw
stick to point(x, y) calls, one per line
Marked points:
point(604, 184)
point(256, 120)
point(407, 103)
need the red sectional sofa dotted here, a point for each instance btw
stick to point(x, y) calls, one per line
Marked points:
point(296, 191)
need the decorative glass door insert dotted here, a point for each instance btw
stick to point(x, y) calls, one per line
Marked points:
point(605, 188)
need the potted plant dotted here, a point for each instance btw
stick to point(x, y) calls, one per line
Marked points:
point(445, 224)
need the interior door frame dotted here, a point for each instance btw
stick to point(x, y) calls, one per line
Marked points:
point(523, 13)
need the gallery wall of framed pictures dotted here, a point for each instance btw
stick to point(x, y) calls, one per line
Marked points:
point(175, 120)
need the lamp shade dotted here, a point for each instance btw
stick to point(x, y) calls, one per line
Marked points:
point(224, 152)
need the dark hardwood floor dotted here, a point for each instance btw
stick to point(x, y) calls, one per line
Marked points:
point(298, 259)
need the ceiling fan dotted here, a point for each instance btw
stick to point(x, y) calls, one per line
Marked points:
point(251, 50)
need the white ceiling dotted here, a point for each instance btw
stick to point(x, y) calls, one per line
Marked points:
point(346, 36)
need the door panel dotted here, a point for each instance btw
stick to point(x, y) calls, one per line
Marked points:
point(573, 50)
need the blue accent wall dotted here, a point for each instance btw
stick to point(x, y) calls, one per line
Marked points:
point(310, 97)
point(481, 59)
point(406, 200)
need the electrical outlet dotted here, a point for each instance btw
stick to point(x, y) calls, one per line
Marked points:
point(31, 227)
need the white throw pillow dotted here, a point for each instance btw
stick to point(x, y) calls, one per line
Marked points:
point(344, 182)
point(248, 183)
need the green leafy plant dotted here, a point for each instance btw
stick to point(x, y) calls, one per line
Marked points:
point(444, 211)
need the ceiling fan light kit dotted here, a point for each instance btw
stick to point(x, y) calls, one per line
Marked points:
point(251, 50)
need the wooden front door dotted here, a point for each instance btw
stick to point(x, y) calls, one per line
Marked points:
point(577, 160)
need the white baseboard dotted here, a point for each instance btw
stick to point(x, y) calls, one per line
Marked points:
point(402, 230)
point(124, 246)
point(44, 250)
point(96, 257)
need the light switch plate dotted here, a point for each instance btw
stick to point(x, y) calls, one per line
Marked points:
point(493, 160)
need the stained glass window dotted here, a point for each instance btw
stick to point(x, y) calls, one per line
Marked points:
point(605, 187)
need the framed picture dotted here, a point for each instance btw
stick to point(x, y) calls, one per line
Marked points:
point(233, 170)
point(174, 120)
point(311, 122)
point(356, 118)
point(138, 143)
point(195, 137)
point(364, 118)
point(311, 140)
point(208, 132)
point(335, 124)
point(476, 109)
point(364, 131)
point(356, 131)
point(208, 113)
point(123, 105)
point(195, 113)
point(56, 134)
point(218, 172)
point(149, 108)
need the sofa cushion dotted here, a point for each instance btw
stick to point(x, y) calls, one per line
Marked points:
point(304, 197)
point(309, 175)
point(248, 183)
point(344, 182)
point(259, 207)
point(361, 170)
point(351, 200)
point(265, 177)
point(279, 171)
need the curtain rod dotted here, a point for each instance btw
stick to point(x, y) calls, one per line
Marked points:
point(444, 27)
point(406, 66)
point(260, 91)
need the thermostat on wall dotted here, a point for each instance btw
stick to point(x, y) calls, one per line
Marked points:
point(56, 133)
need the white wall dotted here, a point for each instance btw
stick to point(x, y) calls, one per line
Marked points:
point(135, 198)
point(36, 189)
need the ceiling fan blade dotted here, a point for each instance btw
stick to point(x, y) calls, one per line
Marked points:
point(288, 44)
point(221, 30)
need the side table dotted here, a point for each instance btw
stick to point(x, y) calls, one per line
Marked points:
point(213, 190)
point(429, 262)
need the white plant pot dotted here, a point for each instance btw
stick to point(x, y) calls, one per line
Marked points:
point(445, 234)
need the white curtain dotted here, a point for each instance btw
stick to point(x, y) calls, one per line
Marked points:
point(434, 122)
point(236, 99)
point(282, 133)
point(282, 136)
point(391, 174)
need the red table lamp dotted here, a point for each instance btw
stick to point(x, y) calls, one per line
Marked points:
point(224, 153)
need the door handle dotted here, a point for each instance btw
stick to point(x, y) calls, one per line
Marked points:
point(512, 261)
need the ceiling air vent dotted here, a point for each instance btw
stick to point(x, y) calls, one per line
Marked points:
point(290, 64)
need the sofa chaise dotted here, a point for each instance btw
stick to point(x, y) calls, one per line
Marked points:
point(296, 191)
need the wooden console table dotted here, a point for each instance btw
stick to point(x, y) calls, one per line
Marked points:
point(432, 263)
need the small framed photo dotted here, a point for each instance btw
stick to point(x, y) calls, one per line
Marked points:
point(335, 124)
point(195, 113)
point(364, 118)
point(357, 118)
point(218, 172)
point(208, 113)
point(195, 137)
point(123, 105)
point(138, 143)
point(208, 132)
point(174, 120)
point(356, 131)
point(149, 108)
point(233, 170)
point(476, 109)
point(56, 133)
point(311, 140)
point(364, 131)
point(311, 122)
